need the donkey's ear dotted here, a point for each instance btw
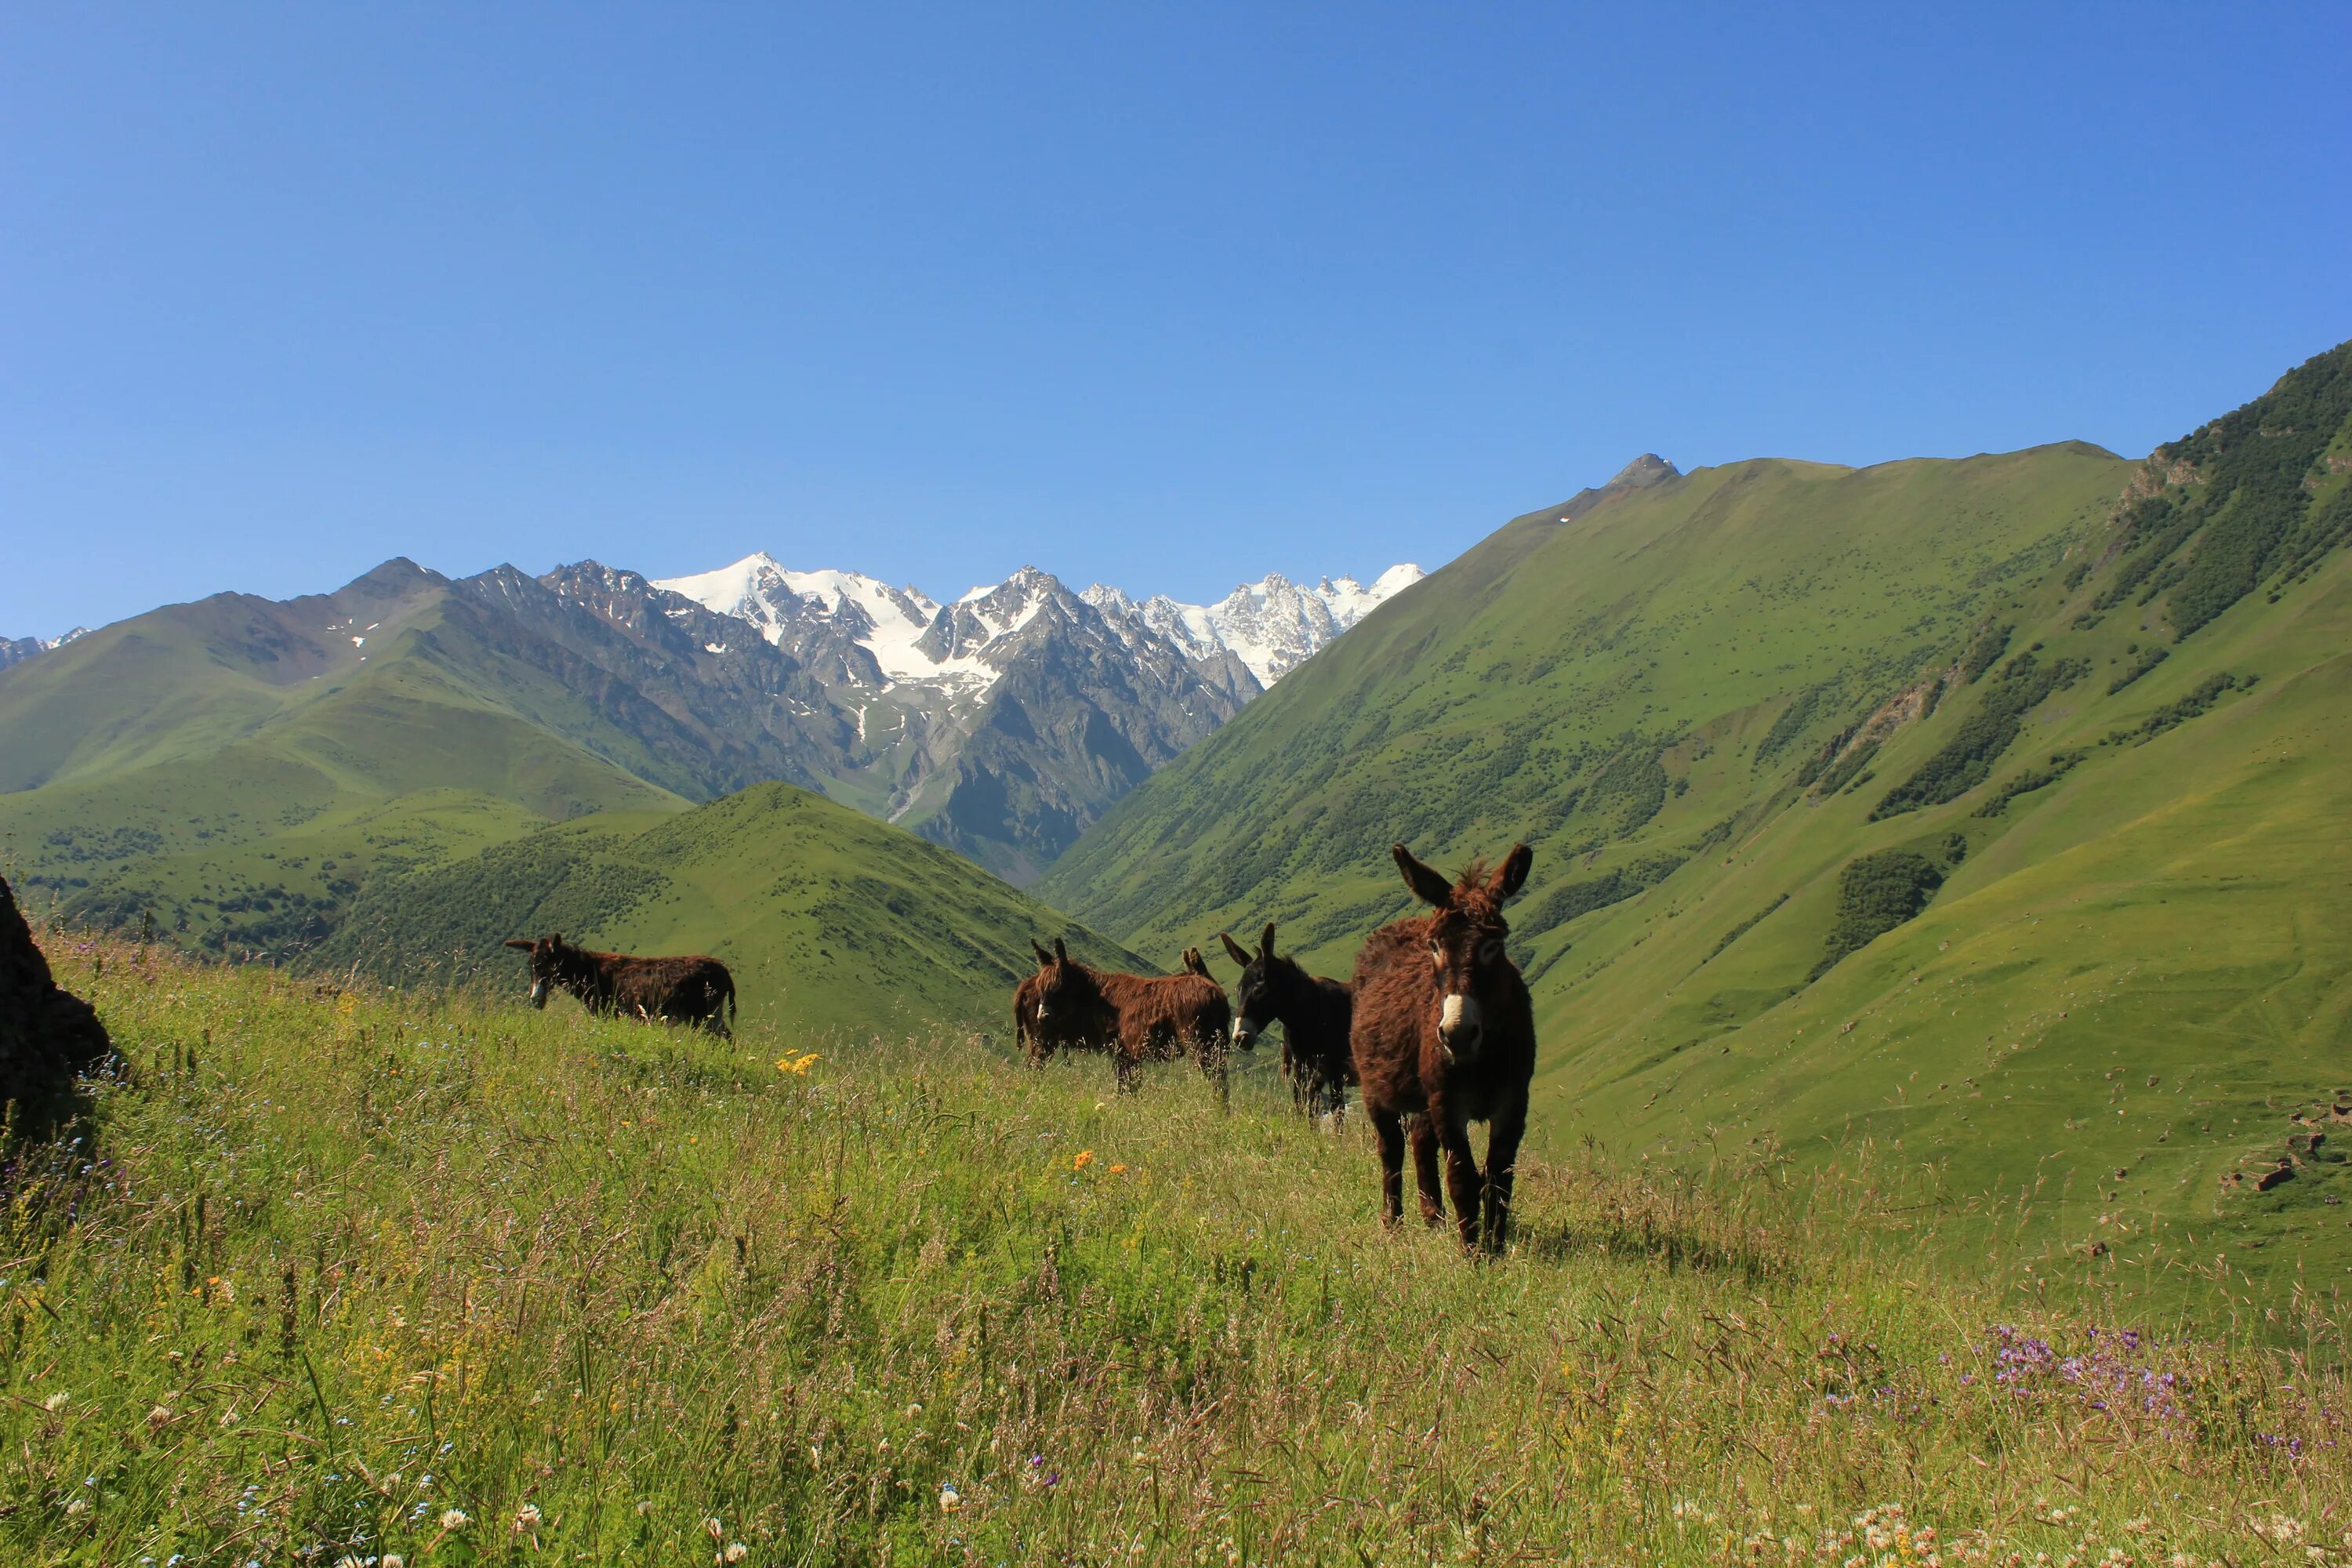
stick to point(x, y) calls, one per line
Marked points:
point(1265, 943)
point(1043, 958)
point(1235, 950)
point(1512, 874)
point(1431, 886)
point(519, 942)
point(1061, 953)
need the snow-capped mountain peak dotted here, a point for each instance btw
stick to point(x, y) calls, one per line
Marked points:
point(1265, 628)
point(1270, 625)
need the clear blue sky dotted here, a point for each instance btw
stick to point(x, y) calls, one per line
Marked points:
point(1165, 295)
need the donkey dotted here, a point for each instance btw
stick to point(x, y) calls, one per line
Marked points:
point(1443, 1032)
point(1138, 1018)
point(1040, 1037)
point(1313, 1013)
point(674, 990)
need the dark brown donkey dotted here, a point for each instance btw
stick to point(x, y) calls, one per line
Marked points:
point(1040, 1038)
point(1443, 1033)
point(671, 990)
point(1313, 1013)
point(1138, 1018)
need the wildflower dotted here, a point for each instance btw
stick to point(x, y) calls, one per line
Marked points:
point(392, 1560)
point(1085, 1157)
point(453, 1518)
point(57, 1401)
point(796, 1063)
point(713, 1529)
point(950, 1500)
point(527, 1517)
point(79, 1505)
point(159, 1415)
point(736, 1551)
point(1118, 1169)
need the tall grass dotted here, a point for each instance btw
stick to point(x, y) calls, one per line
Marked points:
point(354, 1275)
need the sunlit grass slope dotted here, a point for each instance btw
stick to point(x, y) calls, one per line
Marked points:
point(371, 1275)
point(829, 918)
point(2095, 712)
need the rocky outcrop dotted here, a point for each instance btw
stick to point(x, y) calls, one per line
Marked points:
point(49, 1037)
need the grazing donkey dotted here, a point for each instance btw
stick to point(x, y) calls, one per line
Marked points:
point(1313, 1013)
point(1138, 1018)
point(1443, 1033)
point(671, 990)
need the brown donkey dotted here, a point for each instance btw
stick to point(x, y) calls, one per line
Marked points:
point(1443, 1033)
point(1314, 1013)
point(694, 990)
point(1138, 1018)
point(1038, 1042)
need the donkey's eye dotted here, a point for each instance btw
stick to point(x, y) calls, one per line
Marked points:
point(1490, 951)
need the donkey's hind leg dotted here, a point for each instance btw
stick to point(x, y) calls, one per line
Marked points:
point(1424, 1169)
point(1387, 1130)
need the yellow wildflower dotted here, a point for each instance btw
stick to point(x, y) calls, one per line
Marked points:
point(1086, 1157)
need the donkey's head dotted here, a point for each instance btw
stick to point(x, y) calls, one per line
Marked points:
point(1465, 937)
point(552, 962)
point(1267, 982)
point(1065, 988)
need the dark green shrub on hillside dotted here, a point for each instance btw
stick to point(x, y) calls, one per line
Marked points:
point(1841, 772)
point(1875, 894)
point(1990, 645)
point(1790, 724)
point(2249, 511)
point(2173, 714)
point(2148, 659)
point(2031, 779)
point(1565, 903)
point(1967, 759)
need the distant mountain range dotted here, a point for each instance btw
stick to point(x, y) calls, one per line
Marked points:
point(160, 763)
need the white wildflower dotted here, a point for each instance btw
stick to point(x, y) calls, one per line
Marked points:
point(453, 1518)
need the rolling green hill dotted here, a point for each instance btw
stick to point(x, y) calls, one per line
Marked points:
point(830, 920)
point(239, 768)
point(1994, 810)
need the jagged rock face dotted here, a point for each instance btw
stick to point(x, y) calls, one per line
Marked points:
point(716, 707)
point(17, 650)
point(49, 1037)
point(1080, 709)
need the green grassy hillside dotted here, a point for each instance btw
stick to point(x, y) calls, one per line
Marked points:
point(829, 920)
point(366, 1275)
point(2079, 720)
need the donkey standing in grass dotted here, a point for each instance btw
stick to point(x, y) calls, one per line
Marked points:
point(1040, 1037)
point(1443, 1033)
point(1138, 1018)
point(695, 990)
point(1313, 1013)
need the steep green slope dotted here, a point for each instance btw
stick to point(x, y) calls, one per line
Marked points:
point(1754, 719)
point(829, 918)
point(1571, 683)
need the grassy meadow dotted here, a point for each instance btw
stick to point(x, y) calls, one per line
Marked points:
point(346, 1274)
